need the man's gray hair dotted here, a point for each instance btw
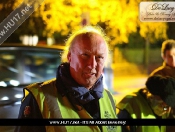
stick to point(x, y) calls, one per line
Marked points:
point(84, 30)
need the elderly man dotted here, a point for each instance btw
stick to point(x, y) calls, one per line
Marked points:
point(77, 92)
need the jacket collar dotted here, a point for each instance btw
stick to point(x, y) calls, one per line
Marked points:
point(78, 94)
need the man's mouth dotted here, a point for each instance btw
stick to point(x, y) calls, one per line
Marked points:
point(89, 74)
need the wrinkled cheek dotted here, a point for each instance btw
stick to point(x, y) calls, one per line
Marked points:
point(98, 75)
point(99, 71)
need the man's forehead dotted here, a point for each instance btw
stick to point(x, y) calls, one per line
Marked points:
point(100, 52)
point(91, 42)
point(90, 37)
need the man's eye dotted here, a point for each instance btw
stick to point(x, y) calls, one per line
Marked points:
point(84, 55)
point(99, 57)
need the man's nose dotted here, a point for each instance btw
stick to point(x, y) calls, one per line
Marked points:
point(92, 62)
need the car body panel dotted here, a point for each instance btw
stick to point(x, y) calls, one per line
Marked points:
point(20, 66)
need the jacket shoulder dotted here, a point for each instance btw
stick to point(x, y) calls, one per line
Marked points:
point(128, 99)
point(33, 88)
point(40, 84)
point(158, 70)
point(48, 82)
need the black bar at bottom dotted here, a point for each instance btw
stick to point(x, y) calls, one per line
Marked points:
point(84, 122)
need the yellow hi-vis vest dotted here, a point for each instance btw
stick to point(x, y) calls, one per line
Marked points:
point(139, 108)
point(53, 105)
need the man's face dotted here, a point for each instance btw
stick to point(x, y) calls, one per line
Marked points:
point(87, 58)
point(169, 57)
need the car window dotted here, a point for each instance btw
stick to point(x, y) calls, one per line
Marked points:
point(24, 66)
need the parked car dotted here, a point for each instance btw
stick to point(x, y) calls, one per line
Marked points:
point(21, 65)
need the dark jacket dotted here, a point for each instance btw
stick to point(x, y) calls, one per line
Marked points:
point(164, 70)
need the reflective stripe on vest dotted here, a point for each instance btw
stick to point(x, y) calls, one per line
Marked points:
point(139, 108)
point(53, 105)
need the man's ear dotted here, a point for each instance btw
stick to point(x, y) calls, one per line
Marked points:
point(69, 56)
